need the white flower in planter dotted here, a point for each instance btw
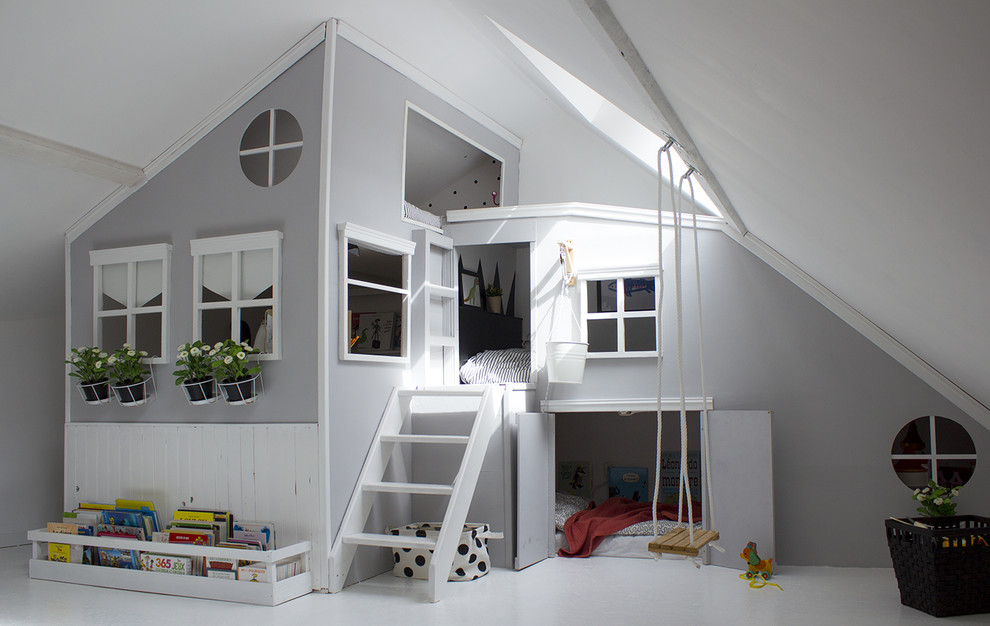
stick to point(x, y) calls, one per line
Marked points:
point(938, 500)
point(195, 351)
point(241, 356)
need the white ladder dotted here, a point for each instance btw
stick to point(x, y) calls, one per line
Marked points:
point(482, 403)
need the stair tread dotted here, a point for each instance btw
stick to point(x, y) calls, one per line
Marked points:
point(412, 438)
point(421, 488)
point(441, 392)
point(390, 541)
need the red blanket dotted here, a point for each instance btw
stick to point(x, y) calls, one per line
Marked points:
point(588, 528)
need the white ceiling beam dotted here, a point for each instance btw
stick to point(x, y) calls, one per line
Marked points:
point(686, 146)
point(27, 146)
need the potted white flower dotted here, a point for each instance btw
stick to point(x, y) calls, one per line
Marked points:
point(195, 373)
point(234, 373)
point(128, 373)
point(91, 369)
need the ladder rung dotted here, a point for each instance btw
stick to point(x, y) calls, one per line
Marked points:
point(442, 291)
point(455, 439)
point(420, 488)
point(390, 541)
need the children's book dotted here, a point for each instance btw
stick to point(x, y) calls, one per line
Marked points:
point(670, 468)
point(219, 572)
point(112, 530)
point(167, 563)
point(126, 518)
point(145, 507)
point(263, 531)
point(118, 557)
point(628, 482)
point(223, 517)
point(213, 528)
point(68, 553)
point(95, 506)
point(189, 535)
point(255, 572)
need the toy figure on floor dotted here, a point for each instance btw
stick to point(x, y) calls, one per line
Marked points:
point(758, 571)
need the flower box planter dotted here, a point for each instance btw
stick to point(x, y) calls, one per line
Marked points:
point(241, 392)
point(944, 569)
point(199, 392)
point(134, 394)
point(95, 393)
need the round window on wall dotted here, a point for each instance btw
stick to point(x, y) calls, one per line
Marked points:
point(271, 147)
point(933, 448)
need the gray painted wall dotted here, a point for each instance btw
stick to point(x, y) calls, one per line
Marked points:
point(31, 423)
point(837, 400)
point(366, 189)
point(205, 194)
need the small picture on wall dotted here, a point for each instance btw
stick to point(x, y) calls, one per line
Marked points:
point(574, 477)
point(471, 288)
point(372, 332)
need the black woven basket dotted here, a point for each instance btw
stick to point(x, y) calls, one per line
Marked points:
point(943, 570)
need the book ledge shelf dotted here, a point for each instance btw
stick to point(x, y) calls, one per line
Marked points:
point(265, 593)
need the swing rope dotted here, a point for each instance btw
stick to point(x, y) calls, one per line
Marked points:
point(684, 487)
point(670, 168)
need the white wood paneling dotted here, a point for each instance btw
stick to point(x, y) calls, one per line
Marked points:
point(258, 471)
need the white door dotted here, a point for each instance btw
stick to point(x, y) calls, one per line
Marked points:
point(742, 484)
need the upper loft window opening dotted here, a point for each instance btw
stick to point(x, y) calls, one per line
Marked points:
point(615, 124)
point(445, 171)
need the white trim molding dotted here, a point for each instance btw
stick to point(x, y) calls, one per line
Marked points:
point(577, 210)
point(878, 336)
point(624, 405)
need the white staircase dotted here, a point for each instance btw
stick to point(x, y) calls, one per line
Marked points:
point(480, 404)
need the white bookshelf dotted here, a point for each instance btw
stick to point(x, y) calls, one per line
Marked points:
point(265, 593)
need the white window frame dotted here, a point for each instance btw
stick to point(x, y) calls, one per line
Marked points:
point(131, 256)
point(234, 245)
point(272, 147)
point(387, 244)
point(620, 314)
point(934, 456)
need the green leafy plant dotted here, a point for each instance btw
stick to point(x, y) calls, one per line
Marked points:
point(230, 362)
point(125, 365)
point(195, 362)
point(491, 290)
point(936, 501)
point(90, 364)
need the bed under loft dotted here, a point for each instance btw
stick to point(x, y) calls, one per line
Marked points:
point(605, 463)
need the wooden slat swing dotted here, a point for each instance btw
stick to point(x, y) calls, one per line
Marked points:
point(682, 540)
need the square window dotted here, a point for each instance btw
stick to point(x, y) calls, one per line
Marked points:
point(375, 273)
point(621, 315)
point(132, 302)
point(237, 287)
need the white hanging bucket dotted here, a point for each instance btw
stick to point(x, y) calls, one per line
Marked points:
point(565, 361)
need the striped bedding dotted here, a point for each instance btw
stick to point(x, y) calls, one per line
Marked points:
point(497, 366)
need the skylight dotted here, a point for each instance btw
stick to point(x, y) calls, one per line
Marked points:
point(617, 125)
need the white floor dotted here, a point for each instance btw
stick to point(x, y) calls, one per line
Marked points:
point(557, 591)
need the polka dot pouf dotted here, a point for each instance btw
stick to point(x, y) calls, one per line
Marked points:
point(471, 559)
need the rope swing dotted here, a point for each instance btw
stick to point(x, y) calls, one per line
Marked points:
point(682, 540)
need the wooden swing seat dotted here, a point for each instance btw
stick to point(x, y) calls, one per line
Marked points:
point(678, 541)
